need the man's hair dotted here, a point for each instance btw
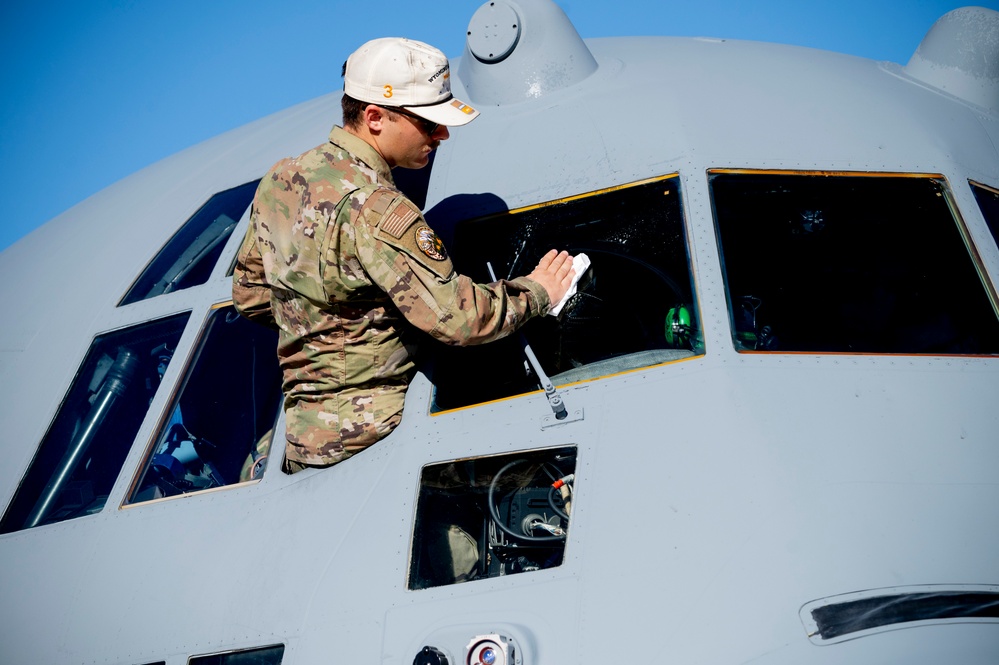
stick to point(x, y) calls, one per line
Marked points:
point(353, 110)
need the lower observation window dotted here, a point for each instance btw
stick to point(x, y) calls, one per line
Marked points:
point(490, 516)
point(221, 424)
point(849, 263)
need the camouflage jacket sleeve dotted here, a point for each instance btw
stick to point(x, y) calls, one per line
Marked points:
point(404, 257)
point(251, 295)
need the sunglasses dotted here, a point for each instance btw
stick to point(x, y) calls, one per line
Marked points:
point(426, 125)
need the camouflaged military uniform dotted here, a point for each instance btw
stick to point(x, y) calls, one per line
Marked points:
point(348, 270)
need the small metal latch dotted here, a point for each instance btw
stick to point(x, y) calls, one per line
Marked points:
point(572, 416)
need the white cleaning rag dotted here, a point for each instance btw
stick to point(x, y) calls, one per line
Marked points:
point(580, 262)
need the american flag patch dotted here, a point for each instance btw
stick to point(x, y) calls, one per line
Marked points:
point(464, 108)
point(397, 221)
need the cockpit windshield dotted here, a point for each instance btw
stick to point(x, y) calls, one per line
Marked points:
point(635, 304)
point(850, 263)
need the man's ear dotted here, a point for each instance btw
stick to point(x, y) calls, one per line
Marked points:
point(374, 118)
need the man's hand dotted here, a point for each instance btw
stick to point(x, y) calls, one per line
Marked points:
point(555, 273)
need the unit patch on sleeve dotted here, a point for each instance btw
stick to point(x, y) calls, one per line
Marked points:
point(430, 244)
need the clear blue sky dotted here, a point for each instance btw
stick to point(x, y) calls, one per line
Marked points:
point(93, 90)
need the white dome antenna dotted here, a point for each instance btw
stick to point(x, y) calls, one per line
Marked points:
point(960, 55)
point(519, 50)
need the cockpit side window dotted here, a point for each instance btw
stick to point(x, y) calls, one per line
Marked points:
point(849, 263)
point(988, 201)
point(190, 255)
point(635, 305)
point(83, 452)
point(219, 428)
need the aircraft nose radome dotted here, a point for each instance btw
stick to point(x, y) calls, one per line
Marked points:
point(960, 55)
point(522, 50)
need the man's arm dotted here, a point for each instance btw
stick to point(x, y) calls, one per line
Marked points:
point(251, 294)
point(403, 256)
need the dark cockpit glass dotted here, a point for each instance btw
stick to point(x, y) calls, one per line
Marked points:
point(262, 656)
point(988, 201)
point(849, 263)
point(219, 429)
point(190, 255)
point(635, 304)
point(83, 452)
point(866, 613)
